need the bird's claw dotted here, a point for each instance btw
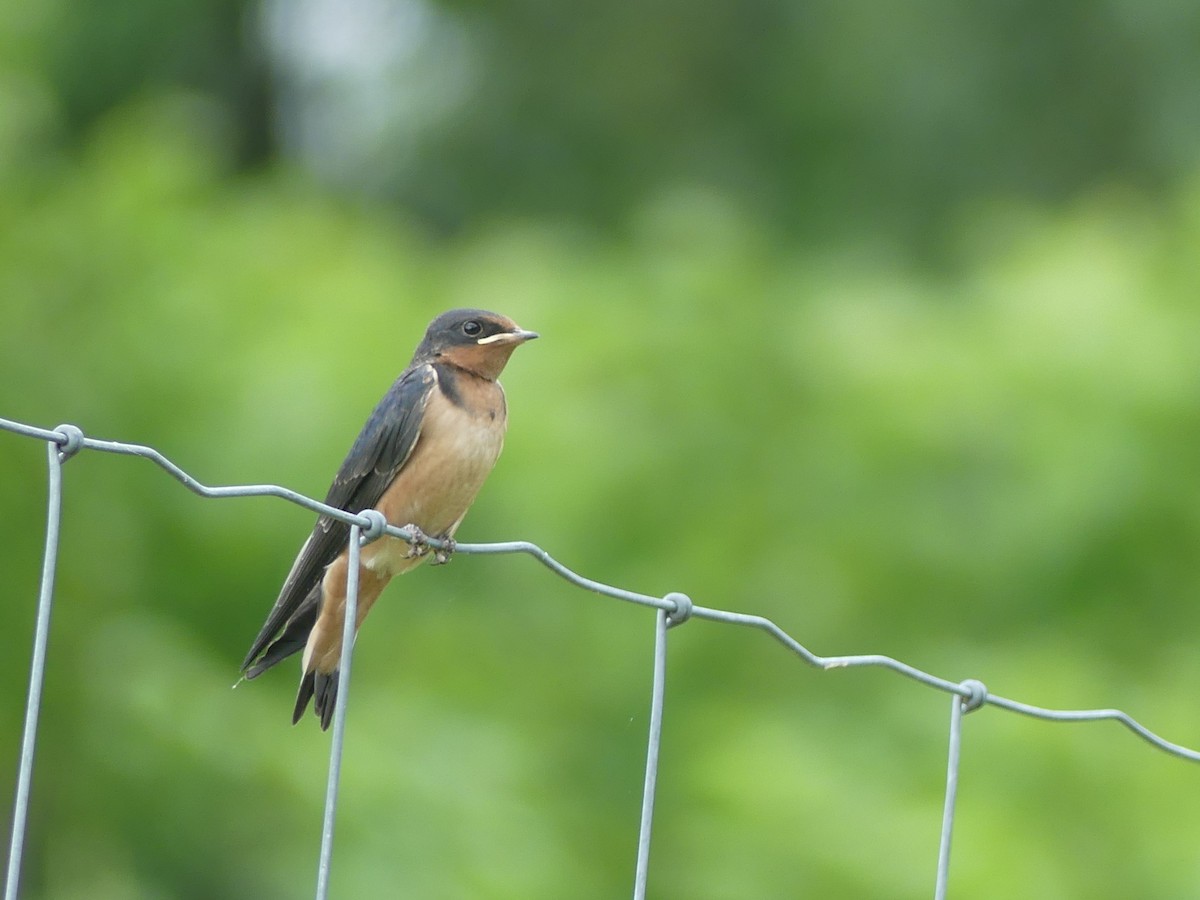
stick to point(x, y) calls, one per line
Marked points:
point(442, 554)
point(419, 546)
point(418, 541)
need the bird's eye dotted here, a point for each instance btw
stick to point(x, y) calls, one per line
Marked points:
point(471, 328)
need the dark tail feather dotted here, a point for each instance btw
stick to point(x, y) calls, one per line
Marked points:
point(303, 695)
point(322, 687)
point(326, 697)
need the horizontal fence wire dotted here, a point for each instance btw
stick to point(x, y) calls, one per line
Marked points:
point(672, 610)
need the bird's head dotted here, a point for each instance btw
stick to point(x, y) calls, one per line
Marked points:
point(472, 339)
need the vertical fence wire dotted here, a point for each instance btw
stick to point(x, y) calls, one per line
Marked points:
point(943, 862)
point(37, 672)
point(657, 691)
point(959, 707)
point(338, 740)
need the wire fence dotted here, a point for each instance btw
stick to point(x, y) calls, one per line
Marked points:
point(672, 610)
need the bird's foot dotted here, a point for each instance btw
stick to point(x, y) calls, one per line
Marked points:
point(442, 554)
point(418, 545)
point(418, 542)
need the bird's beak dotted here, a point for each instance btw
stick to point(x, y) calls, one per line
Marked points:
point(519, 336)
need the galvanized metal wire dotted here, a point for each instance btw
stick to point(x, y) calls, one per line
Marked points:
point(657, 697)
point(672, 610)
point(33, 704)
point(350, 617)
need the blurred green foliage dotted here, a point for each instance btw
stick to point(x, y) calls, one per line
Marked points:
point(985, 467)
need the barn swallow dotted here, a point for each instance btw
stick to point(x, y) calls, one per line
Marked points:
point(420, 460)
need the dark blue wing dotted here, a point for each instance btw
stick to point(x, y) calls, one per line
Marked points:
point(381, 450)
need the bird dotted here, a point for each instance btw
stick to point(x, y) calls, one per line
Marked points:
point(420, 460)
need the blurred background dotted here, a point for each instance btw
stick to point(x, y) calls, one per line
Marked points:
point(878, 321)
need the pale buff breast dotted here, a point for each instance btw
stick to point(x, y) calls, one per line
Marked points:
point(455, 453)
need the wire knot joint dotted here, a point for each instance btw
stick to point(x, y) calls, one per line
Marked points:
point(71, 443)
point(682, 611)
point(376, 525)
point(977, 694)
